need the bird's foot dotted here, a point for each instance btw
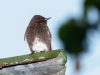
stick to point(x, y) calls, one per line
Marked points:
point(32, 52)
point(42, 51)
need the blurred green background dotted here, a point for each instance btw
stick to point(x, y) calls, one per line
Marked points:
point(74, 33)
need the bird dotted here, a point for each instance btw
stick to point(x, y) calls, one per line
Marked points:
point(38, 35)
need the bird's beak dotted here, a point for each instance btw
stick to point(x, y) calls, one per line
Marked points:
point(47, 18)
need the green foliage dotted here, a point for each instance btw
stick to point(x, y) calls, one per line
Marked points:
point(73, 33)
point(72, 37)
point(34, 57)
point(89, 3)
point(64, 57)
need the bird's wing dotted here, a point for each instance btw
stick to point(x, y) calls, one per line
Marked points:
point(50, 39)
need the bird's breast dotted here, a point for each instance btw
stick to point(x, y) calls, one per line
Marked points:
point(38, 45)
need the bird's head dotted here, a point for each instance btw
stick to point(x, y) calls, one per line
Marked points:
point(40, 19)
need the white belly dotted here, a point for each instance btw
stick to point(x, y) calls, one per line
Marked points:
point(39, 45)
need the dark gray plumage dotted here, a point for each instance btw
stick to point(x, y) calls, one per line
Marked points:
point(38, 35)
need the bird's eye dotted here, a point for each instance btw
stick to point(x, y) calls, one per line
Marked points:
point(38, 19)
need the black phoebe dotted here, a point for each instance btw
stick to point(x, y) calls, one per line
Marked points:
point(38, 35)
